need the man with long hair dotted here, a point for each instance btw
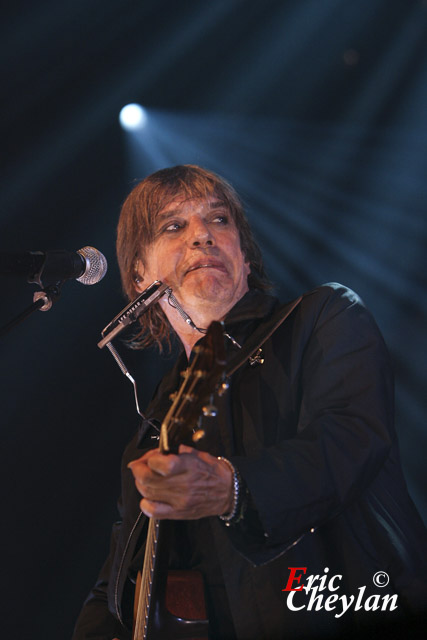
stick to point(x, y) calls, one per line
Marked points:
point(295, 499)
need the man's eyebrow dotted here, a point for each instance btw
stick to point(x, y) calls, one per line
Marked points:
point(160, 217)
point(217, 204)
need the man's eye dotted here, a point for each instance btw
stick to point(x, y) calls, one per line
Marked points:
point(173, 226)
point(221, 219)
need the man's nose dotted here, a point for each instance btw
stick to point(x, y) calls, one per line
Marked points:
point(199, 234)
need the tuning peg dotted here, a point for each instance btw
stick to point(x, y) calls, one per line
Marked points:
point(257, 358)
point(173, 395)
point(198, 435)
point(210, 410)
point(223, 387)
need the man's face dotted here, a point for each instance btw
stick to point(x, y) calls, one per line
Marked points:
point(196, 250)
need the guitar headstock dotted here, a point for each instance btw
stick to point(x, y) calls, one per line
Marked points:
point(199, 382)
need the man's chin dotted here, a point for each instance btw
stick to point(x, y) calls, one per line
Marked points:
point(211, 291)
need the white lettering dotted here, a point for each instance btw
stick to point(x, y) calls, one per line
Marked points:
point(290, 602)
point(374, 606)
point(331, 583)
point(345, 605)
point(310, 581)
point(323, 579)
point(315, 600)
point(359, 604)
point(334, 602)
point(387, 599)
point(329, 601)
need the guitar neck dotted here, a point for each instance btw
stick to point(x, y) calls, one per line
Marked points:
point(144, 599)
point(146, 586)
point(180, 422)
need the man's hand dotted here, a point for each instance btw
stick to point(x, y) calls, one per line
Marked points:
point(187, 486)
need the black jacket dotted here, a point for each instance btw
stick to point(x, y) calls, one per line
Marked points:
point(311, 433)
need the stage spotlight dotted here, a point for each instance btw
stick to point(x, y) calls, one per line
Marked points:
point(132, 117)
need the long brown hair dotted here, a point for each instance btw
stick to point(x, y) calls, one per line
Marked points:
point(135, 232)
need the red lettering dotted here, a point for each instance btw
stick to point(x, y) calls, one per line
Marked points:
point(294, 578)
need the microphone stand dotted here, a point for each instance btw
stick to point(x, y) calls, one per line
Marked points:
point(42, 301)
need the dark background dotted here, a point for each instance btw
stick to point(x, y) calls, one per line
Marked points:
point(314, 109)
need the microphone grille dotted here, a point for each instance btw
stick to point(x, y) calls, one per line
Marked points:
point(96, 265)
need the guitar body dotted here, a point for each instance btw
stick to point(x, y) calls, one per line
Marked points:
point(185, 595)
point(169, 608)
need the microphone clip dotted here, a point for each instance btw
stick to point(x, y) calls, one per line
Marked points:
point(46, 297)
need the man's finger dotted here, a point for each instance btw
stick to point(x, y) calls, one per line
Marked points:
point(159, 510)
point(165, 465)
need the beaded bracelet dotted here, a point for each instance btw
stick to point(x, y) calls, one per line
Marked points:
point(236, 509)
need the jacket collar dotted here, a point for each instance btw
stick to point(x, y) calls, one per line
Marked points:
point(254, 304)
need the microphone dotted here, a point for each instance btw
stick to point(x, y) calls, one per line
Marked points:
point(87, 265)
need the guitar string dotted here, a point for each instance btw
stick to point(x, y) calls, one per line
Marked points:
point(193, 381)
point(146, 584)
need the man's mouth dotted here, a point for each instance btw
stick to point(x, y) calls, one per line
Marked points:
point(206, 265)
